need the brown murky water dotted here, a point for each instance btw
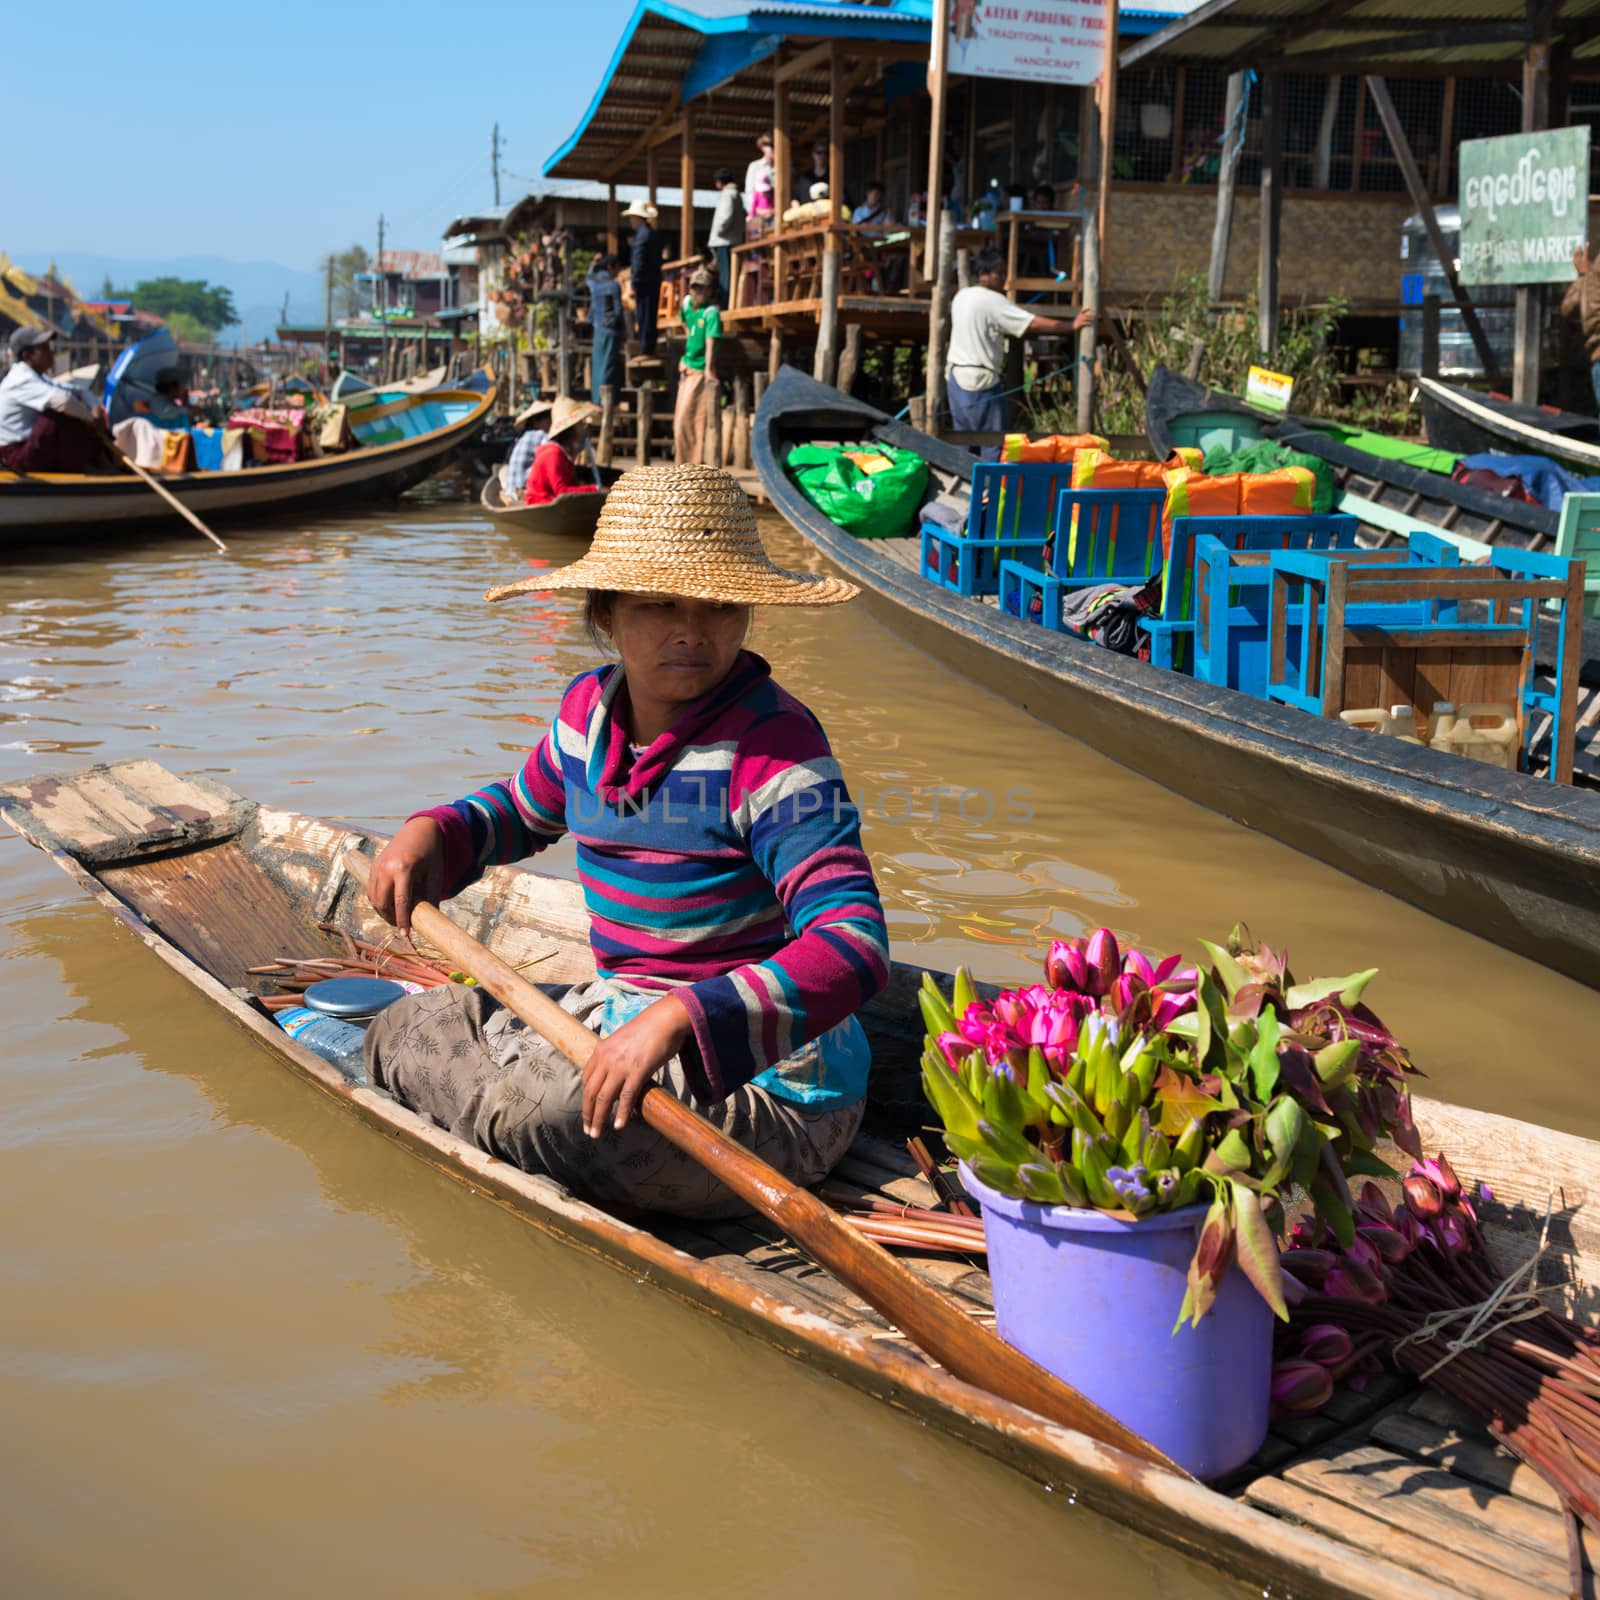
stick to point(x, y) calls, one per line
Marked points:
point(247, 1347)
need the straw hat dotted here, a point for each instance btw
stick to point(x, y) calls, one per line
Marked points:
point(701, 279)
point(642, 209)
point(534, 408)
point(568, 413)
point(685, 530)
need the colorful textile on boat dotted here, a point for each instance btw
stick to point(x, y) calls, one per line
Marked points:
point(1545, 482)
point(725, 861)
point(552, 474)
point(141, 440)
point(1407, 452)
point(177, 450)
point(218, 449)
point(277, 430)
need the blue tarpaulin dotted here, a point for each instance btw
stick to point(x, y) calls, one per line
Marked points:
point(1547, 481)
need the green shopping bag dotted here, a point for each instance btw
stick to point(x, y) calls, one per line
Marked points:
point(874, 492)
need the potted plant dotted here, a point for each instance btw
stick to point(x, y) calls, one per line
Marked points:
point(1133, 1130)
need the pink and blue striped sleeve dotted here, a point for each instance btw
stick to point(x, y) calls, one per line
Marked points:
point(504, 822)
point(788, 798)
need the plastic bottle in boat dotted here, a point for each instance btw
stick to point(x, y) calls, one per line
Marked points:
point(1497, 742)
point(341, 1044)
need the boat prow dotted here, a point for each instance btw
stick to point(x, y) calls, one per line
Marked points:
point(570, 516)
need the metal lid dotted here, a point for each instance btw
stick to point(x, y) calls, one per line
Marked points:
point(353, 997)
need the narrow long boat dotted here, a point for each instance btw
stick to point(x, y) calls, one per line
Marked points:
point(1385, 493)
point(570, 516)
point(1384, 1496)
point(1509, 857)
point(400, 442)
point(1469, 422)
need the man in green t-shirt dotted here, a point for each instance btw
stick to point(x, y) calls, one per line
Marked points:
point(702, 326)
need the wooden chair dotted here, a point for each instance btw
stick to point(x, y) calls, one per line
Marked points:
point(1101, 536)
point(1578, 538)
point(1171, 630)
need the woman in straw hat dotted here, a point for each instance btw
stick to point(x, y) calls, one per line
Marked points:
point(735, 923)
point(553, 471)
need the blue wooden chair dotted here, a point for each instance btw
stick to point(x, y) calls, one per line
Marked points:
point(1012, 514)
point(1578, 539)
point(1102, 536)
point(1171, 630)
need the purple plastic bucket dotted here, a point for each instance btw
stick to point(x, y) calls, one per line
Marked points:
point(1093, 1299)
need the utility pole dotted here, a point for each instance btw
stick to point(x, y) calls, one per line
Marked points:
point(327, 326)
point(383, 327)
point(494, 160)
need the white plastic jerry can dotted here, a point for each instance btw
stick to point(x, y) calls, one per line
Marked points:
point(1497, 741)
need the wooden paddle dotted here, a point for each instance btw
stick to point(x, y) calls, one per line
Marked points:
point(165, 493)
point(965, 1348)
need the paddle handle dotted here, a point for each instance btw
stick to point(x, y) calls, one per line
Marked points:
point(167, 495)
point(965, 1348)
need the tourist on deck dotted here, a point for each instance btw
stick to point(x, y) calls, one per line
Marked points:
point(530, 423)
point(760, 184)
point(727, 230)
point(645, 255)
point(169, 406)
point(553, 471)
point(1043, 198)
point(605, 316)
point(980, 319)
point(702, 327)
point(873, 212)
point(734, 920)
point(45, 426)
point(816, 171)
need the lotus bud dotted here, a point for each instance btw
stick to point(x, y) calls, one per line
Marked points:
point(1441, 1172)
point(1451, 1233)
point(1326, 1343)
point(1374, 1203)
point(1125, 990)
point(1214, 1253)
point(1389, 1243)
point(1136, 964)
point(1104, 961)
point(1065, 967)
point(1422, 1196)
point(1310, 1266)
point(1351, 1281)
point(1300, 1388)
point(1408, 1227)
point(1364, 1253)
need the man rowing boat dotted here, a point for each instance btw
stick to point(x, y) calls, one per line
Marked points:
point(735, 923)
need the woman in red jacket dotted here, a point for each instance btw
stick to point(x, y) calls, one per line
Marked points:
point(553, 471)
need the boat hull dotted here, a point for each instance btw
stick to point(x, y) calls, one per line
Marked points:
point(42, 509)
point(1472, 423)
point(568, 516)
point(1510, 858)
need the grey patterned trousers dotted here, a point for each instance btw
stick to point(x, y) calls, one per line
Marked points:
point(455, 1056)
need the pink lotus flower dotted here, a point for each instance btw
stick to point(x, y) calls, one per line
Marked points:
point(955, 1048)
point(1389, 1243)
point(1451, 1232)
point(1065, 966)
point(1352, 1281)
point(1422, 1195)
point(1104, 961)
point(1441, 1173)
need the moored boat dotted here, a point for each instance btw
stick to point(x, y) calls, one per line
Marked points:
point(401, 442)
point(569, 515)
point(1379, 1496)
point(1471, 422)
point(1509, 857)
point(1388, 492)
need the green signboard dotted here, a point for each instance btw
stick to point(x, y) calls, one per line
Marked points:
point(1524, 206)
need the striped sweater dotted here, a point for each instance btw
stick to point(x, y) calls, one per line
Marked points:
point(724, 860)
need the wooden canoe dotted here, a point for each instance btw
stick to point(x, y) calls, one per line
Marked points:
point(1510, 857)
point(1386, 496)
point(1383, 1497)
point(571, 516)
point(1470, 422)
point(413, 437)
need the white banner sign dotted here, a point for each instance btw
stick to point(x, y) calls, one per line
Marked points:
point(1060, 41)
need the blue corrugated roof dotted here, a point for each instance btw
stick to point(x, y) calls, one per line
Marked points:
point(739, 33)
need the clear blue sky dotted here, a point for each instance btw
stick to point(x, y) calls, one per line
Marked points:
point(280, 132)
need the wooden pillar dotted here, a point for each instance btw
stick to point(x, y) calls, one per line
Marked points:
point(608, 422)
point(650, 173)
point(836, 93)
point(774, 354)
point(938, 84)
point(1389, 117)
point(826, 360)
point(1227, 183)
point(1322, 162)
point(613, 220)
point(1430, 336)
point(741, 421)
point(1179, 85)
point(782, 177)
point(1086, 336)
point(686, 184)
point(1359, 139)
point(1444, 187)
point(850, 361)
point(1108, 129)
point(1271, 210)
point(711, 448)
point(1529, 316)
point(647, 416)
point(944, 270)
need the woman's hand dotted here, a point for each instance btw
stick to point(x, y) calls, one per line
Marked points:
point(623, 1063)
point(408, 870)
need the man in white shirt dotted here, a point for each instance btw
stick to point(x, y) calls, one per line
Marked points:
point(45, 426)
point(981, 319)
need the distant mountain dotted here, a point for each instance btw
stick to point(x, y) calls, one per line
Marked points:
point(258, 286)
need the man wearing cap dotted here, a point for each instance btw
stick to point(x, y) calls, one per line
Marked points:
point(45, 426)
point(644, 267)
point(702, 327)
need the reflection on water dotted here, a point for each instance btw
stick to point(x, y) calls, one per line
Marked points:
point(230, 1310)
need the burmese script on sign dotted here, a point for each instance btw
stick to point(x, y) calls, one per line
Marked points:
point(1524, 206)
point(1063, 42)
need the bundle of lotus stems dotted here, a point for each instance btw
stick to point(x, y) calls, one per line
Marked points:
point(293, 975)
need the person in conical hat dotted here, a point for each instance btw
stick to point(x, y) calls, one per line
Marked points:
point(734, 920)
point(553, 470)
